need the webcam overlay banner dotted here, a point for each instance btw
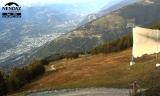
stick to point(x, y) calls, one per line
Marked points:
point(11, 10)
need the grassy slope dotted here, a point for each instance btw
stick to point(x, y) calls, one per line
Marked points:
point(101, 70)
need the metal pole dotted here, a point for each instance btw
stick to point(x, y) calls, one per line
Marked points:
point(131, 24)
point(157, 44)
point(157, 32)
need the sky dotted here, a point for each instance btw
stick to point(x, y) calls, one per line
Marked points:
point(45, 2)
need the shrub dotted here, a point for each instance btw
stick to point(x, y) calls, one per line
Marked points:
point(3, 87)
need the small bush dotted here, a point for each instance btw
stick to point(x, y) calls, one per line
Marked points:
point(72, 55)
point(3, 87)
point(150, 92)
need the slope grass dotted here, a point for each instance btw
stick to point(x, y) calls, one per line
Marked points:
point(102, 70)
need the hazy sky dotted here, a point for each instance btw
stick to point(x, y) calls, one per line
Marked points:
point(44, 2)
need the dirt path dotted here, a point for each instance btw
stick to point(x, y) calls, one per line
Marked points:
point(85, 92)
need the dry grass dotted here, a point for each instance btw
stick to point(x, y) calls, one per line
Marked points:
point(103, 70)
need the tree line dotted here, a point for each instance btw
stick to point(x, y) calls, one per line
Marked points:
point(114, 46)
point(19, 77)
point(52, 58)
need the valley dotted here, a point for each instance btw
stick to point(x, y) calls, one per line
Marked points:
point(67, 49)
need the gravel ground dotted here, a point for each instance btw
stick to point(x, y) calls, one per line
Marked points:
point(84, 92)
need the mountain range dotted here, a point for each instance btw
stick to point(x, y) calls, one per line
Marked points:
point(38, 25)
point(106, 25)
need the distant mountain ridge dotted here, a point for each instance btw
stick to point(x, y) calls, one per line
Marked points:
point(108, 27)
point(117, 6)
point(38, 25)
point(109, 8)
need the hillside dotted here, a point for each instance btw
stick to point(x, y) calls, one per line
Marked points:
point(108, 9)
point(109, 27)
point(102, 70)
point(38, 26)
